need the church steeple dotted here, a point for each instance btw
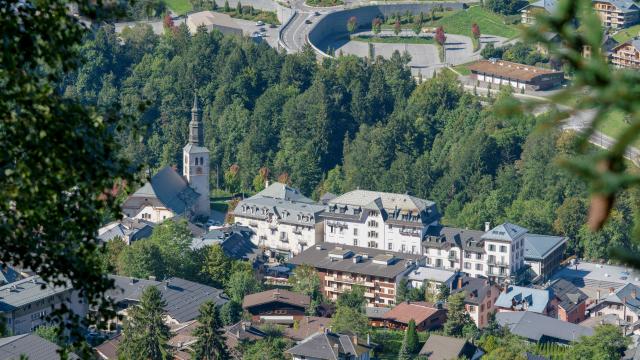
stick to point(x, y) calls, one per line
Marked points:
point(196, 131)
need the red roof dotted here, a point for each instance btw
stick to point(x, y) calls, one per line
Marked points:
point(418, 311)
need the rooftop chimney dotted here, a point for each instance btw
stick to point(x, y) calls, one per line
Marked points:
point(487, 226)
point(276, 294)
point(460, 282)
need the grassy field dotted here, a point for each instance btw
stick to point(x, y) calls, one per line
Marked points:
point(459, 22)
point(324, 3)
point(394, 39)
point(179, 7)
point(627, 34)
point(614, 125)
point(462, 69)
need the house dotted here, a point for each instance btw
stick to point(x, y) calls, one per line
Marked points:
point(568, 302)
point(438, 347)
point(241, 332)
point(379, 220)
point(8, 274)
point(540, 328)
point(432, 278)
point(306, 327)
point(496, 254)
point(480, 297)
point(235, 241)
point(331, 346)
point(606, 46)
point(529, 12)
point(213, 20)
point(284, 222)
point(108, 350)
point(426, 316)
point(183, 298)
point(127, 229)
point(30, 346)
point(518, 76)
point(543, 253)
point(376, 315)
point(617, 14)
point(182, 339)
point(623, 303)
point(276, 306)
point(26, 303)
point(627, 55)
point(519, 298)
point(168, 194)
point(341, 266)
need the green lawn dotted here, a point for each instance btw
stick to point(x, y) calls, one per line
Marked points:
point(462, 69)
point(627, 34)
point(459, 22)
point(614, 125)
point(179, 7)
point(394, 39)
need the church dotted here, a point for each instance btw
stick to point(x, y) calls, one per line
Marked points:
point(168, 194)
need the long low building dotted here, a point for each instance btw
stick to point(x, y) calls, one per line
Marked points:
point(540, 328)
point(342, 266)
point(518, 76)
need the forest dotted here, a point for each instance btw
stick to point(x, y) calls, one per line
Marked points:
point(341, 124)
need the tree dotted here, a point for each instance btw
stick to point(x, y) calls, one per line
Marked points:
point(443, 292)
point(403, 290)
point(411, 338)
point(226, 6)
point(607, 343)
point(269, 348)
point(49, 333)
point(61, 167)
point(457, 316)
point(242, 283)
point(397, 27)
point(351, 320)
point(352, 24)
point(210, 343)
point(230, 313)
point(232, 179)
point(217, 265)
point(417, 26)
point(440, 36)
point(260, 181)
point(404, 353)
point(376, 26)
point(475, 30)
point(353, 298)
point(145, 334)
point(239, 8)
point(167, 22)
point(305, 280)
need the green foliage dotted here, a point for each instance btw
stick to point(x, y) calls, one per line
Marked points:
point(504, 346)
point(505, 7)
point(347, 319)
point(230, 313)
point(353, 298)
point(240, 284)
point(457, 317)
point(304, 279)
point(270, 348)
point(210, 343)
point(145, 334)
point(443, 292)
point(607, 343)
point(411, 338)
point(217, 265)
point(50, 333)
point(403, 290)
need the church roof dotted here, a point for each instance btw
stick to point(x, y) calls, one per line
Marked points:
point(194, 149)
point(171, 189)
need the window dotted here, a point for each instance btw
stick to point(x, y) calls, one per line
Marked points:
point(372, 244)
point(629, 318)
point(472, 308)
point(374, 213)
point(467, 255)
point(479, 256)
point(467, 265)
point(404, 248)
point(390, 226)
point(355, 231)
point(355, 242)
point(503, 249)
point(373, 223)
point(492, 247)
point(479, 267)
point(372, 234)
point(413, 249)
point(389, 246)
point(428, 261)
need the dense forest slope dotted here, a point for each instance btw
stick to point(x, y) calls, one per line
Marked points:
point(339, 125)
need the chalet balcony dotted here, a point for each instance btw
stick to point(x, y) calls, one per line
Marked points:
point(369, 295)
point(337, 224)
point(411, 233)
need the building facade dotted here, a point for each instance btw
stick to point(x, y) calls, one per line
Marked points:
point(379, 220)
point(342, 266)
point(517, 76)
point(617, 14)
point(480, 297)
point(544, 253)
point(623, 303)
point(497, 254)
point(276, 306)
point(627, 55)
point(195, 166)
point(284, 222)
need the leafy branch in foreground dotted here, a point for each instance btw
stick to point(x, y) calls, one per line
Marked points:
point(599, 89)
point(58, 158)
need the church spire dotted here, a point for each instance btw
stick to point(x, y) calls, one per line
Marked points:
point(196, 131)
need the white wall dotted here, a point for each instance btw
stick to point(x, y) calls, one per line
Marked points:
point(265, 236)
point(154, 214)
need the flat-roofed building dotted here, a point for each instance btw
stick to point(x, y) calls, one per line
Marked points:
point(430, 277)
point(518, 76)
point(213, 20)
point(379, 220)
point(342, 266)
point(544, 253)
point(627, 55)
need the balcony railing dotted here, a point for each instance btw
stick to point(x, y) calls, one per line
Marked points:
point(410, 233)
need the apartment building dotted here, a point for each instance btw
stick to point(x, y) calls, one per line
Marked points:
point(497, 254)
point(544, 253)
point(342, 266)
point(25, 304)
point(379, 220)
point(528, 13)
point(617, 14)
point(480, 297)
point(622, 303)
point(627, 55)
point(284, 222)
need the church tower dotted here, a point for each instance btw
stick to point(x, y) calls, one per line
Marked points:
point(195, 166)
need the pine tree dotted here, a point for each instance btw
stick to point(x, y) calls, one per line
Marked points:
point(239, 8)
point(457, 317)
point(404, 353)
point(226, 6)
point(145, 334)
point(411, 337)
point(210, 344)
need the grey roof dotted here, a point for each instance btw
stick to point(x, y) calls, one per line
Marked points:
point(438, 347)
point(183, 297)
point(134, 229)
point(282, 191)
point(235, 241)
point(444, 237)
point(624, 6)
point(26, 291)
point(629, 295)
point(376, 312)
point(431, 274)
point(505, 232)
point(289, 212)
point(326, 197)
point(194, 149)
point(476, 289)
point(548, 5)
point(540, 246)
point(328, 345)
point(171, 189)
point(568, 294)
point(8, 274)
point(368, 199)
point(318, 257)
point(524, 298)
point(536, 327)
point(32, 346)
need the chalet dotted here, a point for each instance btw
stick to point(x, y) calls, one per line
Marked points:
point(627, 55)
point(623, 303)
point(331, 346)
point(426, 316)
point(276, 306)
point(617, 14)
point(438, 347)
